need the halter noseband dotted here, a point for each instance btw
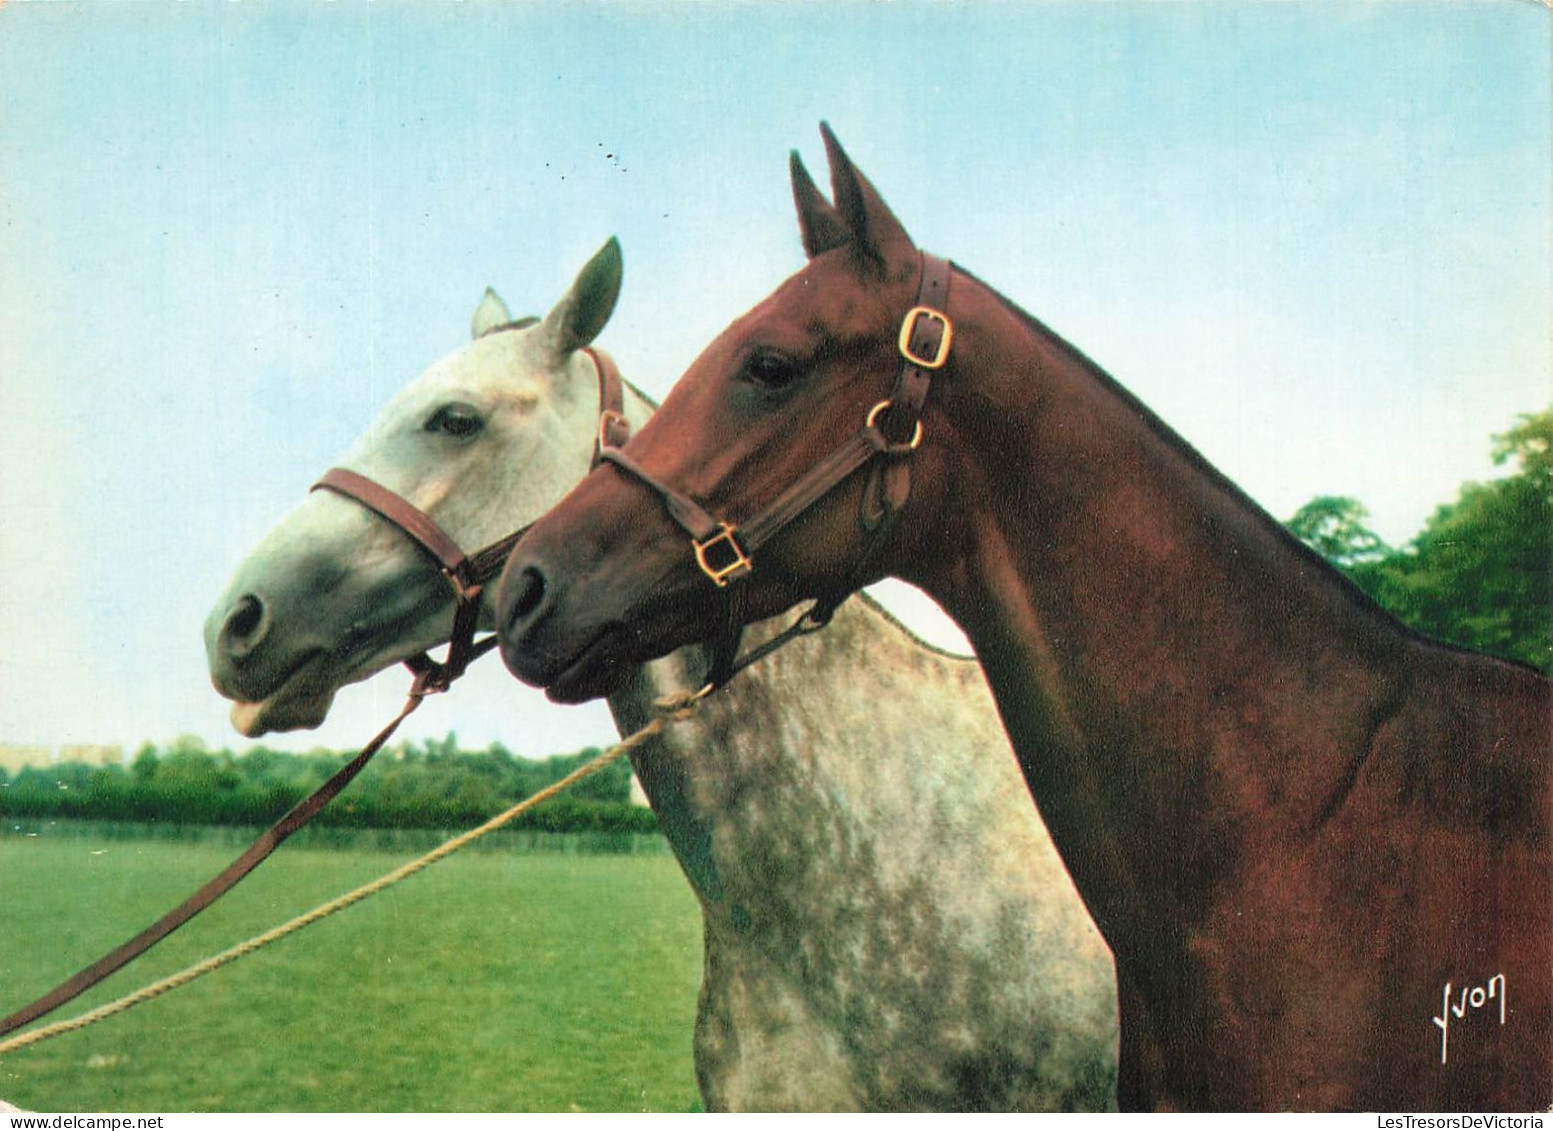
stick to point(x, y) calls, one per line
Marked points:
point(469, 573)
point(723, 550)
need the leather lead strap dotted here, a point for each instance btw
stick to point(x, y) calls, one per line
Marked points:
point(468, 574)
point(252, 857)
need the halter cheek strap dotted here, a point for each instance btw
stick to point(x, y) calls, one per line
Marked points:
point(926, 335)
point(890, 433)
point(614, 429)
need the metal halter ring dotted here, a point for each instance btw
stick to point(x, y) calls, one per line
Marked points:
point(873, 415)
point(737, 566)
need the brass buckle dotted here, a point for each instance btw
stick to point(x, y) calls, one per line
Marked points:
point(873, 415)
point(722, 574)
point(908, 327)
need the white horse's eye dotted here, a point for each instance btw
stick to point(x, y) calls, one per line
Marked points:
point(459, 420)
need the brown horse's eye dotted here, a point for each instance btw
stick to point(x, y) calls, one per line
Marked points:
point(770, 370)
point(458, 420)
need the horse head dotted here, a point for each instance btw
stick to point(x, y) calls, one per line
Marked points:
point(612, 578)
point(334, 593)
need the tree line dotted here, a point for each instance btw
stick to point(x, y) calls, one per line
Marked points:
point(1480, 573)
point(414, 785)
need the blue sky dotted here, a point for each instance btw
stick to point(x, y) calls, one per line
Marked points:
point(1314, 237)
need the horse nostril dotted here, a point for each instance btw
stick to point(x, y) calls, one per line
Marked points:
point(528, 593)
point(245, 626)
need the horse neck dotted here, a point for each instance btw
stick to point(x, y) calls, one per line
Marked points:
point(777, 765)
point(1176, 674)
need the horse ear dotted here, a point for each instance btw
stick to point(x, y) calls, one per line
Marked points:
point(818, 223)
point(876, 235)
point(491, 313)
point(584, 309)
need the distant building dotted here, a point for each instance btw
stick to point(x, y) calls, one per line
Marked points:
point(94, 754)
point(15, 758)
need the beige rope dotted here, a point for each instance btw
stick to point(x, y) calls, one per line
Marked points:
point(673, 709)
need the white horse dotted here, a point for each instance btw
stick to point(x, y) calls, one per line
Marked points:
point(873, 940)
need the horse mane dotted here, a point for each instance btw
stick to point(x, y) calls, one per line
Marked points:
point(927, 645)
point(1361, 601)
point(650, 402)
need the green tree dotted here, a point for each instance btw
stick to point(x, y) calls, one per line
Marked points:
point(144, 765)
point(1333, 526)
point(1480, 573)
point(1529, 443)
point(438, 787)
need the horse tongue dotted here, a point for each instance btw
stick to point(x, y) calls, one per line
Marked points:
point(246, 718)
point(281, 712)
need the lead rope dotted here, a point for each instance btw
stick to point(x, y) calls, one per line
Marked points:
point(671, 709)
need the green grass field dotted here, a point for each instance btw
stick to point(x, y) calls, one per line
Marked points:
point(495, 981)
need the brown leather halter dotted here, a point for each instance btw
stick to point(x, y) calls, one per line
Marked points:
point(723, 550)
point(467, 573)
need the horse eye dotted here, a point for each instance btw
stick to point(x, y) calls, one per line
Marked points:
point(455, 420)
point(771, 370)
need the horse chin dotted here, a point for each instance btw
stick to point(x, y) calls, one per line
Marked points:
point(280, 713)
point(598, 671)
point(605, 663)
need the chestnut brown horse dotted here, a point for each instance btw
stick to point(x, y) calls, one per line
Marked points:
point(1316, 842)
